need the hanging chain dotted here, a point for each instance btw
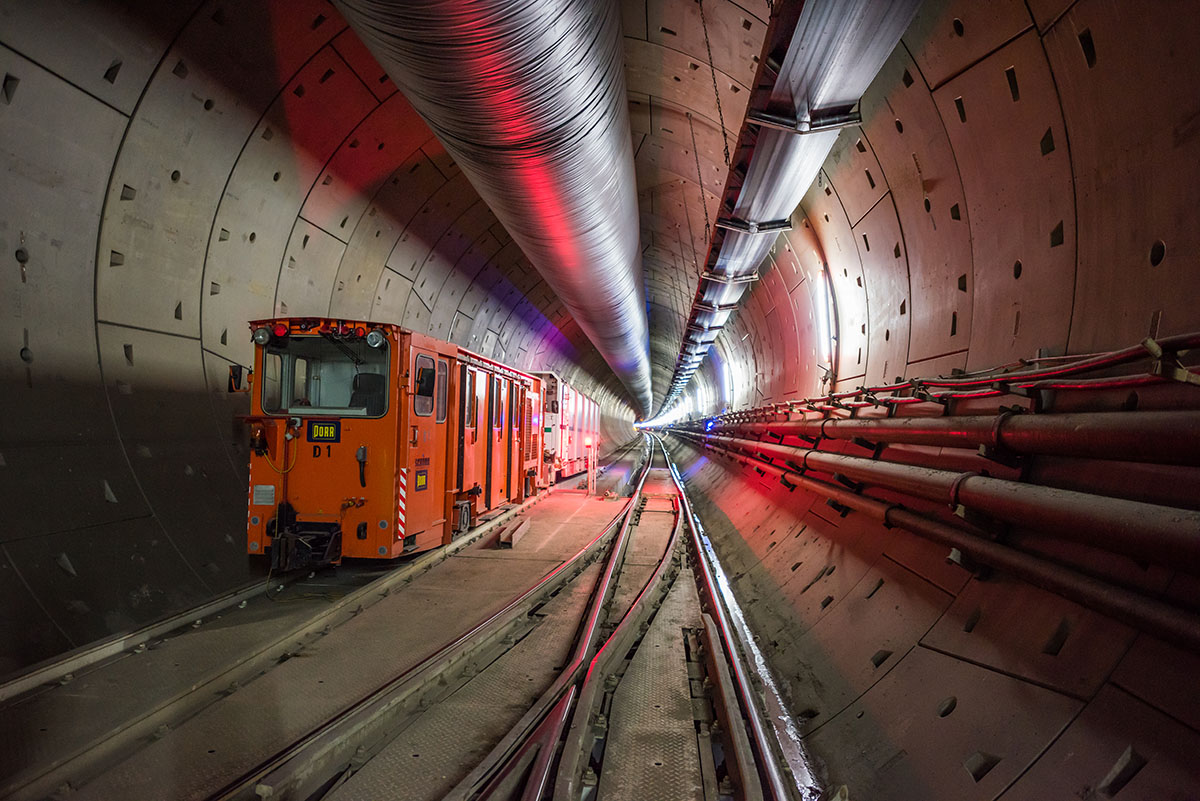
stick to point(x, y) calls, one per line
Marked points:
point(713, 69)
point(700, 181)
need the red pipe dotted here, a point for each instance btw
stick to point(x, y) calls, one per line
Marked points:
point(1160, 619)
point(1162, 534)
point(1155, 437)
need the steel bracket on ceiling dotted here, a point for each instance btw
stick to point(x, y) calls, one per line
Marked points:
point(714, 308)
point(729, 279)
point(747, 227)
point(818, 120)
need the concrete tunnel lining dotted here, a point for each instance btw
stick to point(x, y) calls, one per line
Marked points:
point(1018, 185)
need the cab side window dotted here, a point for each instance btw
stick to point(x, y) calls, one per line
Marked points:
point(272, 369)
point(443, 375)
point(424, 383)
point(497, 405)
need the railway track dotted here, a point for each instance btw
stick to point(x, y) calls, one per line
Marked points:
point(616, 675)
point(623, 689)
point(142, 686)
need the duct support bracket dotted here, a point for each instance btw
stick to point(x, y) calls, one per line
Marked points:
point(748, 227)
point(715, 308)
point(819, 120)
point(749, 278)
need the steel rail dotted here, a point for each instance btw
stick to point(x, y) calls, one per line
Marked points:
point(1151, 615)
point(512, 743)
point(282, 769)
point(1171, 437)
point(741, 673)
point(85, 763)
point(1164, 534)
point(575, 749)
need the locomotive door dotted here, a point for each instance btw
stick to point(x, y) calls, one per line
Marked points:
point(422, 484)
point(473, 434)
point(497, 458)
point(515, 439)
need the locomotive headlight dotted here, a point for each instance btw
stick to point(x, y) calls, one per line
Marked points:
point(261, 336)
point(376, 338)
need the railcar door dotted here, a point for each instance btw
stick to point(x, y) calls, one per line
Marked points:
point(517, 436)
point(498, 452)
point(423, 482)
point(473, 436)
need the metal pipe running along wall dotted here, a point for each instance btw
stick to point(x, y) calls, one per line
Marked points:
point(1161, 534)
point(1161, 619)
point(1155, 437)
point(529, 98)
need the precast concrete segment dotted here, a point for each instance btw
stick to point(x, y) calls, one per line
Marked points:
point(529, 97)
point(300, 695)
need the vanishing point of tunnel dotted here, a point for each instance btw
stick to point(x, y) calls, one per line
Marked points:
point(600, 399)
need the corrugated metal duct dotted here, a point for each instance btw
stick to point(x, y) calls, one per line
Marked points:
point(529, 97)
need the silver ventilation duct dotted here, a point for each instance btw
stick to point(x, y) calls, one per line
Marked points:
point(832, 50)
point(529, 98)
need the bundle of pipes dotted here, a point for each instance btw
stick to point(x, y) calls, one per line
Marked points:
point(1147, 532)
point(1154, 616)
point(1047, 373)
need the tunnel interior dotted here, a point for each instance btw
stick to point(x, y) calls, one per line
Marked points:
point(1021, 185)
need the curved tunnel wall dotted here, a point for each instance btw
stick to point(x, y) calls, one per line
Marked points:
point(174, 170)
point(989, 208)
point(170, 176)
point(992, 206)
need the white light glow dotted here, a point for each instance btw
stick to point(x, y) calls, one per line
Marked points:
point(823, 314)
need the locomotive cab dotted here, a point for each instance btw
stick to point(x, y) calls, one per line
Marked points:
point(347, 432)
point(369, 440)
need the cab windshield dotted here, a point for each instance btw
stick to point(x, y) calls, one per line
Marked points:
point(320, 375)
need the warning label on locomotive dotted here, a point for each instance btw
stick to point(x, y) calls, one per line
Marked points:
point(324, 430)
point(263, 495)
point(422, 479)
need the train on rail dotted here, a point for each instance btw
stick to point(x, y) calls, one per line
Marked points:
point(370, 440)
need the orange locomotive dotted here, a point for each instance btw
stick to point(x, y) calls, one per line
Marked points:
point(369, 440)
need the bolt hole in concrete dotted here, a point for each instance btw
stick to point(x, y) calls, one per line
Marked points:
point(22, 255)
point(253, 236)
point(947, 706)
point(175, 176)
point(26, 355)
point(208, 104)
point(1157, 252)
point(275, 177)
point(899, 127)
point(958, 27)
point(212, 750)
point(1017, 269)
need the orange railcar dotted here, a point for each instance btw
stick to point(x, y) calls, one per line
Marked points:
point(369, 440)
